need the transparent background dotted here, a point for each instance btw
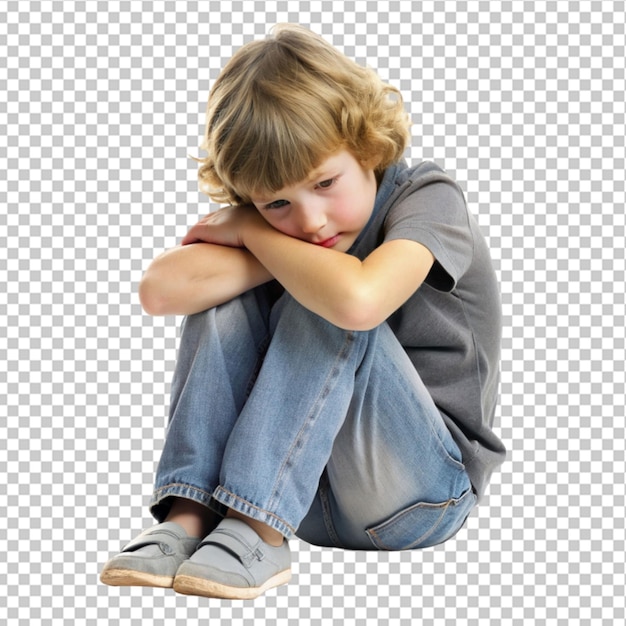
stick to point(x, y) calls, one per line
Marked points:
point(102, 103)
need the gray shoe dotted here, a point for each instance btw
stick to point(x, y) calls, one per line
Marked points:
point(152, 558)
point(234, 562)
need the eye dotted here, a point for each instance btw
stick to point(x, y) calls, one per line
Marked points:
point(277, 204)
point(325, 184)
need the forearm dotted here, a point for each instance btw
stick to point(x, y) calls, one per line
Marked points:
point(324, 281)
point(346, 291)
point(193, 278)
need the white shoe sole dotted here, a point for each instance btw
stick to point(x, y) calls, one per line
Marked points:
point(190, 585)
point(133, 578)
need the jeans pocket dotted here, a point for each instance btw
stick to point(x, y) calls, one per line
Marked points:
point(423, 524)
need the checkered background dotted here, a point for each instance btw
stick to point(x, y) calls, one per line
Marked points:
point(102, 104)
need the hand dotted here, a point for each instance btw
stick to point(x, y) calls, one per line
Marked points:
point(224, 227)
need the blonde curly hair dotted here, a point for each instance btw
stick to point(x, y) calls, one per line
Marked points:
point(284, 104)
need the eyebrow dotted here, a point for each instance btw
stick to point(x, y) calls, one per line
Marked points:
point(261, 202)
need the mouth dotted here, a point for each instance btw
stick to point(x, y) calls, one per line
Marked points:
point(328, 243)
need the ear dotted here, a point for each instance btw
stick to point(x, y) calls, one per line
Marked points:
point(370, 164)
point(369, 161)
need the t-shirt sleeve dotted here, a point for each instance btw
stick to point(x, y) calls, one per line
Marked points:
point(436, 216)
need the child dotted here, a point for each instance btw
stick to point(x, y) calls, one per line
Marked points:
point(338, 365)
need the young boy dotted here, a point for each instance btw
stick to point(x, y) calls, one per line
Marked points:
point(338, 365)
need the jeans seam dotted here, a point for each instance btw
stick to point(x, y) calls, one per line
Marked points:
point(309, 421)
point(261, 350)
point(327, 515)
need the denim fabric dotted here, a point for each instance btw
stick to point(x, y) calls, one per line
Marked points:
point(318, 431)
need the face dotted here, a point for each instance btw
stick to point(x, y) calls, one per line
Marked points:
point(330, 208)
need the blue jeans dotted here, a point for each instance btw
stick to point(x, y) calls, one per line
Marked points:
point(316, 431)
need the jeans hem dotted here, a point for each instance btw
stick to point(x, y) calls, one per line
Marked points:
point(235, 502)
point(178, 490)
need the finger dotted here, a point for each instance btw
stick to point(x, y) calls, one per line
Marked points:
point(190, 237)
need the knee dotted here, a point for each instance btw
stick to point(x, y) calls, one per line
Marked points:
point(291, 315)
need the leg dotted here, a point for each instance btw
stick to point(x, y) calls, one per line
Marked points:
point(276, 451)
point(284, 435)
point(219, 354)
point(220, 351)
point(195, 518)
point(395, 478)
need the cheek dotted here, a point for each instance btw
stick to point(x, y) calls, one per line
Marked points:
point(344, 206)
point(353, 210)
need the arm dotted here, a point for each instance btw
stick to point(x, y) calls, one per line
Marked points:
point(189, 279)
point(352, 294)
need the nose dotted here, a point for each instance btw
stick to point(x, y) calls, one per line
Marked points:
point(312, 217)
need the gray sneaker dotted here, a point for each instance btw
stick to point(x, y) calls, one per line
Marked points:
point(152, 558)
point(234, 562)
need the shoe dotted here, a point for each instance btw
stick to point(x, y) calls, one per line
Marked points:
point(233, 562)
point(152, 558)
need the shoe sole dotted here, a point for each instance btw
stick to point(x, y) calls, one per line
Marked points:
point(131, 578)
point(192, 586)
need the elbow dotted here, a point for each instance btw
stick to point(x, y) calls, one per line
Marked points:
point(358, 322)
point(152, 297)
point(359, 311)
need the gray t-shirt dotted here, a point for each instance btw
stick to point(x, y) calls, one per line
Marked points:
point(451, 326)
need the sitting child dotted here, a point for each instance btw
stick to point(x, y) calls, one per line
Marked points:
point(338, 368)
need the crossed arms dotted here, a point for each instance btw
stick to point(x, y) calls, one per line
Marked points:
point(233, 250)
